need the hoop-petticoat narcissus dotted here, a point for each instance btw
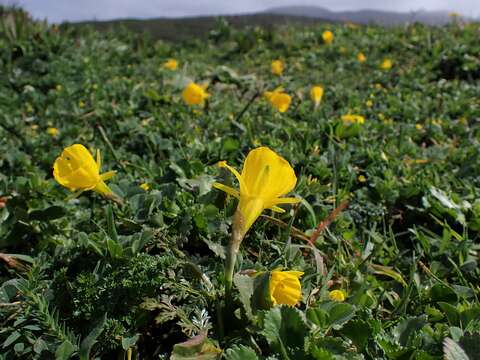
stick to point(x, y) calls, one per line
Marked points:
point(278, 99)
point(264, 179)
point(327, 36)
point(195, 94)
point(76, 170)
point(277, 67)
point(316, 94)
point(285, 287)
point(171, 64)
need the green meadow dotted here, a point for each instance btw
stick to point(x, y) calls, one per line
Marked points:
point(384, 226)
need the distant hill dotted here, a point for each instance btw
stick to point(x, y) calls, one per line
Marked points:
point(365, 16)
point(185, 28)
point(193, 27)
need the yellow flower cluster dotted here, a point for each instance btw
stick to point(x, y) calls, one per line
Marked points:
point(277, 67)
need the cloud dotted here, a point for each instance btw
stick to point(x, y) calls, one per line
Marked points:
point(75, 10)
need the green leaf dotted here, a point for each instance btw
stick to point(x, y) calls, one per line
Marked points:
point(196, 348)
point(317, 316)
point(244, 284)
point(339, 314)
point(440, 292)
point(285, 330)
point(11, 339)
point(91, 339)
point(386, 271)
point(407, 328)
point(111, 230)
point(64, 351)
point(453, 351)
point(240, 352)
point(451, 313)
point(358, 331)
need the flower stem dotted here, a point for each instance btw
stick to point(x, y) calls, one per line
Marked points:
point(232, 251)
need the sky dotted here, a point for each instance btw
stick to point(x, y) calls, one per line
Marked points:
point(76, 10)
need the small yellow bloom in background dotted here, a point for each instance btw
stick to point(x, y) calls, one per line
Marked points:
point(145, 186)
point(81, 104)
point(418, 126)
point(195, 94)
point(353, 119)
point(265, 177)
point(327, 36)
point(171, 64)
point(279, 100)
point(386, 64)
point(361, 57)
point(337, 295)
point(362, 178)
point(316, 94)
point(76, 170)
point(285, 287)
point(277, 67)
point(58, 87)
point(378, 86)
point(52, 131)
point(369, 103)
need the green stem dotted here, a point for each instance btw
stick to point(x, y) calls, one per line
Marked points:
point(232, 251)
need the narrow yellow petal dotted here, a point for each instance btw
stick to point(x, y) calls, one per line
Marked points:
point(229, 190)
point(243, 187)
point(108, 175)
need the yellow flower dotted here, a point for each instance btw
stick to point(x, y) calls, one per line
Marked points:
point(353, 119)
point(265, 177)
point(386, 64)
point(362, 178)
point(81, 104)
point(285, 287)
point(361, 57)
point(58, 87)
point(279, 100)
point(194, 94)
point(145, 186)
point(277, 67)
point(337, 295)
point(369, 103)
point(77, 170)
point(52, 131)
point(327, 36)
point(316, 94)
point(171, 64)
point(418, 126)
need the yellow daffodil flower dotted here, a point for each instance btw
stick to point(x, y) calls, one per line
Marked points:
point(279, 100)
point(145, 186)
point(52, 131)
point(386, 64)
point(265, 177)
point(277, 67)
point(76, 170)
point(316, 94)
point(171, 64)
point(353, 119)
point(285, 287)
point(361, 57)
point(337, 295)
point(327, 36)
point(195, 94)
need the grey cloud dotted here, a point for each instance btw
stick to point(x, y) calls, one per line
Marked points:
point(75, 10)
